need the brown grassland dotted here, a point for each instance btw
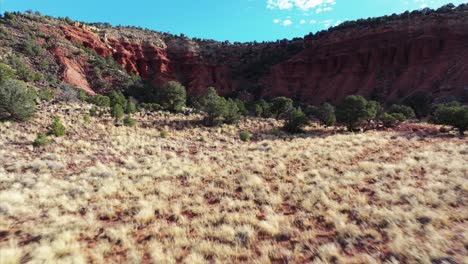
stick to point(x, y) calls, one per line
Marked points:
point(108, 194)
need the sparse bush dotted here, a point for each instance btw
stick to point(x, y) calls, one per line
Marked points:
point(45, 95)
point(117, 112)
point(262, 109)
point(172, 96)
point(245, 136)
point(131, 108)
point(31, 48)
point(153, 107)
point(6, 72)
point(82, 96)
point(117, 98)
point(69, 93)
point(420, 102)
point(276, 131)
point(129, 121)
point(399, 117)
point(9, 16)
point(93, 111)
point(57, 129)
point(402, 109)
point(164, 134)
point(354, 111)
point(373, 109)
point(454, 115)
point(241, 106)
point(86, 118)
point(99, 100)
point(313, 111)
point(232, 112)
point(326, 114)
point(68, 20)
point(22, 70)
point(41, 140)
point(215, 106)
point(280, 106)
point(388, 120)
point(296, 121)
point(17, 102)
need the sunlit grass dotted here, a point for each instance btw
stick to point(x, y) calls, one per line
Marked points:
point(117, 194)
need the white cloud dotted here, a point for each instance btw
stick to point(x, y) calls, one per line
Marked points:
point(304, 5)
point(276, 21)
point(303, 21)
point(325, 9)
point(313, 22)
point(287, 22)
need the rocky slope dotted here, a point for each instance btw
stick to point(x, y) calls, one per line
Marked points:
point(386, 60)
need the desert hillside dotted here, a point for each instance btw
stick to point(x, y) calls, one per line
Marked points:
point(386, 58)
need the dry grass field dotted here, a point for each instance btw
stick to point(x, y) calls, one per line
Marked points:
point(114, 194)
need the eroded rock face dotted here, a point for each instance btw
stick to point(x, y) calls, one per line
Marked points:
point(386, 62)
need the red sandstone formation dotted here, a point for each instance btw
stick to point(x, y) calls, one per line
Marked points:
point(392, 60)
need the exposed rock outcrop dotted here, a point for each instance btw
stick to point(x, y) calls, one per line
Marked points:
point(387, 61)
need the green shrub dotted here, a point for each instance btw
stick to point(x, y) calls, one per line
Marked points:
point(68, 20)
point(131, 108)
point(152, 107)
point(326, 114)
point(275, 131)
point(373, 109)
point(99, 100)
point(164, 134)
point(452, 115)
point(313, 111)
point(241, 106)
point(82, 96)
point(129, 121)
point(402, 109)
point(354, 110)
point(41, 140)
point(117, 98)
point(57, 129)
point(232, 112)
point(296, 121)
point(22, 71)
point(245, 136)
point(262, 109)
point(6, 72)
point(399, 117)
point(9, 16)
point(86, 118)
point(17, 101)
point(215, 106)
point(173, 96)
point(31, 48)
point(45, 95)
point(388, 120)
point(420, 102)
point(117, 112)
point(93, 111)
point(280, 106)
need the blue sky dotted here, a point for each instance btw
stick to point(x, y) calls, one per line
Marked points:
point(234, 20)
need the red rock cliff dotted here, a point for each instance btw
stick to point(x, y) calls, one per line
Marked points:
point(389, 61)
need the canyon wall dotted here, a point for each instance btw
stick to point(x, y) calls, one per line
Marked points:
point(385, 61)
